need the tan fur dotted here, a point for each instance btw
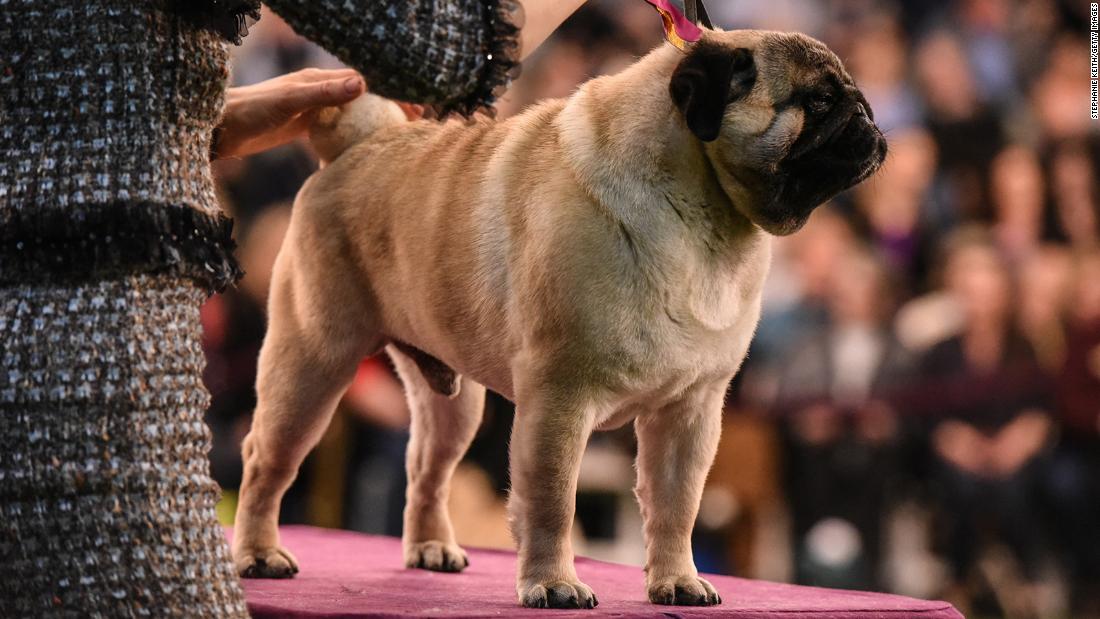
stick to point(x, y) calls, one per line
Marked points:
point(584, 259)
point(335, 129)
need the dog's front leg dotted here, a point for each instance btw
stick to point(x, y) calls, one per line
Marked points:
point(548, 439)
point(676, 446)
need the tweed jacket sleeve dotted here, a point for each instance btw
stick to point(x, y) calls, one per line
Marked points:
point(458, 55)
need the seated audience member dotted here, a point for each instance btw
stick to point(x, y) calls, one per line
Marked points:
point(901, 217)
point(878, 60)
point(842, 432)
point(987, 407)
point(1072, 482)
point(1044, 281)
point(1017, 190)
point(794, 298)
point(967, 131)
point(1073, 190)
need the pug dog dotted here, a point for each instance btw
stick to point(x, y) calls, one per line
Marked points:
point(597, 259)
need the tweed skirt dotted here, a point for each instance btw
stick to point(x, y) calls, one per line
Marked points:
point(106, 502)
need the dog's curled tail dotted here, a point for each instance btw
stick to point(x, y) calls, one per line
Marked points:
point(336, 128)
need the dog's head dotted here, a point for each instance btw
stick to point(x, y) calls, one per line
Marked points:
point(783, 124)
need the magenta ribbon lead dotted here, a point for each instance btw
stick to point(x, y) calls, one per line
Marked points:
point(679, 30)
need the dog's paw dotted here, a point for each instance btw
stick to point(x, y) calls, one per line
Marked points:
point(558, 594)
point(683, 591)
point(436, 556)
point(266, 563)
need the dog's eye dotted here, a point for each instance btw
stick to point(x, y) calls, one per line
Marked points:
point(819, 103)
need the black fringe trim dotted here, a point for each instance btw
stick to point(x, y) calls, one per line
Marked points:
point(505, 19)
point(229, 18)
point(102, 241)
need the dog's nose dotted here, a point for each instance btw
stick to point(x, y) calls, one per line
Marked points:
point(862, 107)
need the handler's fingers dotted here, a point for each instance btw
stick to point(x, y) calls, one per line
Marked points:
point(319, 75)
point(320, 94)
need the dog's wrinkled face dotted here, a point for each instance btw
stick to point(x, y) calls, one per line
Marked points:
point(784, 125)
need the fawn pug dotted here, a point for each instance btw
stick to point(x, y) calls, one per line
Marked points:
point(597, 259)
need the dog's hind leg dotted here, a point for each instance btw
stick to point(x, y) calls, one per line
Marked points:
point(442, 429)
point(316, 337)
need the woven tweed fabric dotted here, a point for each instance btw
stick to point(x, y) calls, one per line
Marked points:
point(106, 114)
point(106, 503)
point(104, 102)
point(456, 54)
point(110, 105)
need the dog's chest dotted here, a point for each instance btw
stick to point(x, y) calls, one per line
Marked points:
point(669, 372)
point(689, 335)
point(688, 346)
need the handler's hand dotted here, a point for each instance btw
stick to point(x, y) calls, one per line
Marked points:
point(278, 110)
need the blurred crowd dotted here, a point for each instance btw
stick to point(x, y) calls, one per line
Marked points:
point(920, 409)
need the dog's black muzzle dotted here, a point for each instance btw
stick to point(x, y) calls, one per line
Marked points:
point(840, 154)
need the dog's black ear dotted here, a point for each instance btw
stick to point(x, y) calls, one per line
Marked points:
point(706, 81)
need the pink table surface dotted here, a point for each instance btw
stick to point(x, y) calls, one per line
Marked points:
point(346, 574)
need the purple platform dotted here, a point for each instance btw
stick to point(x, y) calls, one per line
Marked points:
point(351, 575)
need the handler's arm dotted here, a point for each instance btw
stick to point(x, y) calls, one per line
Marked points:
point(458, 54)
point(543, 18)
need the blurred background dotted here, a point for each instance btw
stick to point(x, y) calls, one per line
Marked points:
point(920, 410)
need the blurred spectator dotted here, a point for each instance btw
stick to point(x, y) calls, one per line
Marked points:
point(1073, 188)
point(273, 49)
point(985, 30)
point(1072, 480)
point(283, 169)
point(1017, 195)
point(1079, 387)
point(988, 418)
point(966, 131)
point(375, 420)
point(802, 268)
point(843, 433)
point(1044, 282)
point(897, 205)
point(878, 62)
point(772, 15)
point(1058, 94)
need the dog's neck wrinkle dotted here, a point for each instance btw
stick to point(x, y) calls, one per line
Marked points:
point(639, 169)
